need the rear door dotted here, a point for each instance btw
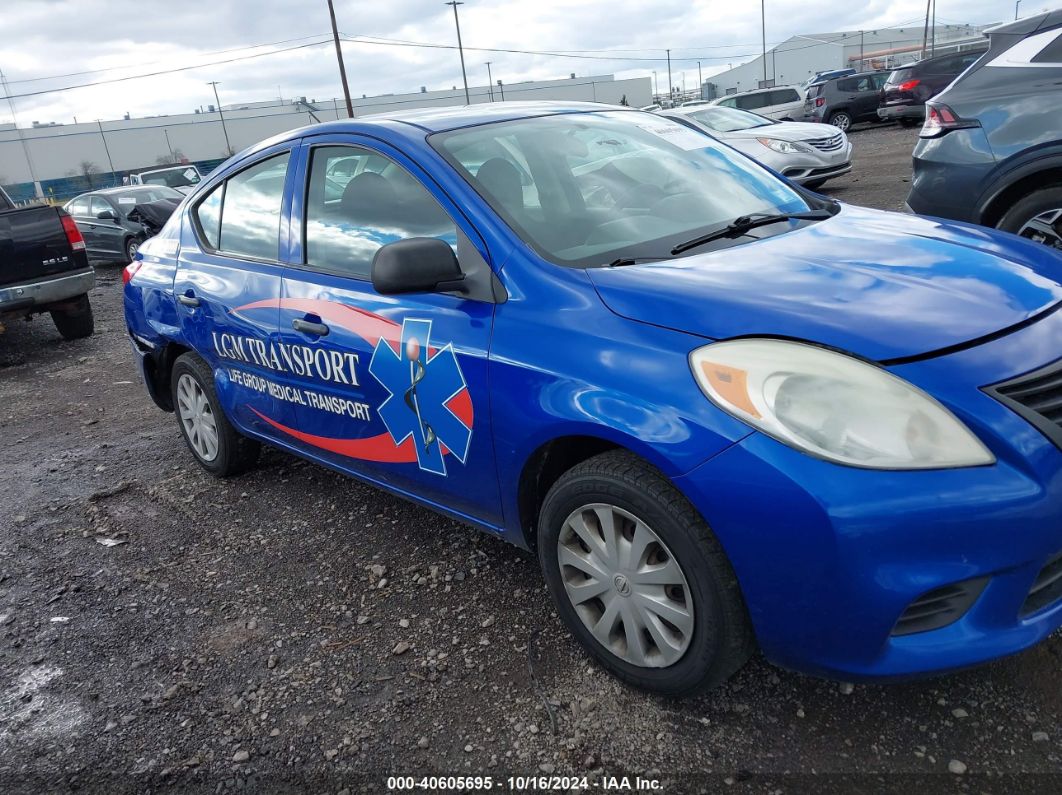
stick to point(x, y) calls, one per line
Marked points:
point(390, 388)
point(228, 285)
point(78, 209)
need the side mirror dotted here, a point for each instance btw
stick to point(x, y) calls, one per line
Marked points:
point(416, 265)
point(107, 215)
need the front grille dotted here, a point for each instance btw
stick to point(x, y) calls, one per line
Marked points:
point(830, 144)
point(1037, 396)
point(1046, 589)
point(939, 607)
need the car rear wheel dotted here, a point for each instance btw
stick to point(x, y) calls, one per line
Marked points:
point(639, 579)
point(214, 442)
point(1037, 217)
point(74, 321)
point(841, 120)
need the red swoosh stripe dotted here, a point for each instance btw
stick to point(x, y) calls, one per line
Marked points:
point(381, 449)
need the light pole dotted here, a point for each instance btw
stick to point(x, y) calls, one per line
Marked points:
point(224, 129)
point(460, 48)
point(670, 90)
point(339, 57)
point(700, 80)
point(107, 149)
point(1018, 3)
point(656, 87)
point(173, 157)
point(501, 88)
point(490, 82)
point(763, 33)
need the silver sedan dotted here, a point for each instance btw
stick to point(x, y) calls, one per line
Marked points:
point(806, 153)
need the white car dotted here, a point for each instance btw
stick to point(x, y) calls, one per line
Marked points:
point(181, 178)
point(806, 153)
point(784, 103)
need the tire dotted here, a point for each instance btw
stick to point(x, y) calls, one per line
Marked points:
point(231, 452)
point(815, 184)
point(76, 322)
point(840, 119)
point(1037, 216)
point(132, 245)
point(720, 640)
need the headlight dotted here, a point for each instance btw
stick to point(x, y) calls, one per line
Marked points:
point(833, 406)
point(785, 147)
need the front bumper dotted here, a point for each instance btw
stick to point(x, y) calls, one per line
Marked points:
point(34, 296)
point(829, 557)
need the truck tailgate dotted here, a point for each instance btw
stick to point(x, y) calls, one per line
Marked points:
point(33, 244)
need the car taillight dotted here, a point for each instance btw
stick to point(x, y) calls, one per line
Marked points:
point(908, 85)
point(820, 101)
point(941, 119)
point(73, 234)
point(130, 270)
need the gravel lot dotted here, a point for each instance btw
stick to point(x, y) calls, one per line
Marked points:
point(292, 630)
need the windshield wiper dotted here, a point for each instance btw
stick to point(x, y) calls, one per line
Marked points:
point(744, 223)
point(619, 262)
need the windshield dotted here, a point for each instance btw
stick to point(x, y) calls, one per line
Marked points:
point(129, 199)
point(584, 189)
point(723, 119)
point(173, 177)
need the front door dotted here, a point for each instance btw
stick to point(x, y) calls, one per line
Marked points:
point(391, 388)
point(108, 232)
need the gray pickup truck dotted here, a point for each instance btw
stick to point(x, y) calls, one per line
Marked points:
point(44, 268)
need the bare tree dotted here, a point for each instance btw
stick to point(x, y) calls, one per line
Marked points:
point(89, 170)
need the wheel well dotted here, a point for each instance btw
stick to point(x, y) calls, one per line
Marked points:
point(157, 368)
point(1012, 194)
point(544, 468)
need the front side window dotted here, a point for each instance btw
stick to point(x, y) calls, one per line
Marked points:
point(99, 205)
point(250, 212)
point(208, 213)
point(358, 201)
point(605, 185)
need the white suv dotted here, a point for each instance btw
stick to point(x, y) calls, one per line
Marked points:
point(784, 103)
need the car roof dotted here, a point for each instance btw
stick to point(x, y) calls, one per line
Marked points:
point(978, 50)
point(754, 91)
point(453, 117)
point(1044, 21)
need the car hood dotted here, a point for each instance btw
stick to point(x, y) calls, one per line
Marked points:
point(785, 130)
point(881, 285)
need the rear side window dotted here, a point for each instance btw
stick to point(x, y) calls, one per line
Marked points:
point(242, 216)
point(900, 76)
point(358, 201)
point(1051, 54)
point(754, 101)
point(78, 207)
point(784, 95)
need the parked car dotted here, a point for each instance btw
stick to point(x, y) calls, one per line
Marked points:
point(990, 151)
point(43, 268)
point(844, 101)
point(822, 77)
point(722, 410)
point(903, 97)
point(181, 178)
point(116, 221)
point(808, 154)
point(784, 103)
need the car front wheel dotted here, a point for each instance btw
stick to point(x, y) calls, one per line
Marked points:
point(132, 246)
point(1037, 217)
point(640, 580)
point(216, 444)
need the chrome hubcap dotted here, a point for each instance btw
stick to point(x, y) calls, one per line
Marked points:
point(198, 420)
point(1045, 228)
point(625, 585)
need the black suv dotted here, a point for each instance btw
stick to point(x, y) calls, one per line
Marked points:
point(844, 101)
point(990, 151)
point(905, 93)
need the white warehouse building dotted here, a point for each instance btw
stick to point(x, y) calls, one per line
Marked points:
point(799, 57)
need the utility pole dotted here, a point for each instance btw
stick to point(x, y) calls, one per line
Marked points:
point(339, 57)
point(460, 48)
point(933, 40)
point(501, 88)
point(224, 129)
point(670, 90)
point(925, 30)
point(861, 59)
point(490, 82)
point(37, 190)
point(763, 33)
point(166, 132)
point(107, 149)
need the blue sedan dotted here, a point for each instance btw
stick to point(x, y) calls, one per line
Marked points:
point(725, 412)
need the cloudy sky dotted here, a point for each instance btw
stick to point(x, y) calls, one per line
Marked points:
point(48, 44)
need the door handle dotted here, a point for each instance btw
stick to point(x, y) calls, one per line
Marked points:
point(188, 299)
point(309, 327)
